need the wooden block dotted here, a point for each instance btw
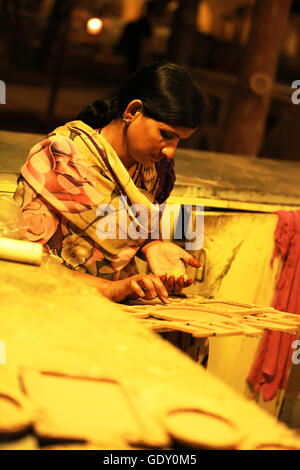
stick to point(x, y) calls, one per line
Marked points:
point(196, 428)
point(28, 442)
point(15, 413)
point(81, 408)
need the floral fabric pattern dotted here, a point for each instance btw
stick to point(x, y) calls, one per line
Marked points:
point(62, 183)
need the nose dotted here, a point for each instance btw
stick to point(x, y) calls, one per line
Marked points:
point(168, 151)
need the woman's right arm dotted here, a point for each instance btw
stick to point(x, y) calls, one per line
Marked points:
point(145, 286)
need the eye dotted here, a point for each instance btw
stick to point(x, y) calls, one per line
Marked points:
point(166, 135)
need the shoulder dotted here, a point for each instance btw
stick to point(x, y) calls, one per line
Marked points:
point(67, 138)
point(54, 144)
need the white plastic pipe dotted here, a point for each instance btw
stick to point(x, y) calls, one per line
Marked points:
point(21, 251)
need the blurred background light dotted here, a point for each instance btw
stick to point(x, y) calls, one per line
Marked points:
point(94, 26)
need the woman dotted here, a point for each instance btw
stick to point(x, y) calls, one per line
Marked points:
point(90, 172)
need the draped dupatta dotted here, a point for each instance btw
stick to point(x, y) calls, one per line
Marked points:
point(72, 186)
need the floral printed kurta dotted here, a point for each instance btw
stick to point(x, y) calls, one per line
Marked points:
point(64, 181)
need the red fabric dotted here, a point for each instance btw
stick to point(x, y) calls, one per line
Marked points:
point(269, 372)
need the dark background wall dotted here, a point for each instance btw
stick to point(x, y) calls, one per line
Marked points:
point(52, 67)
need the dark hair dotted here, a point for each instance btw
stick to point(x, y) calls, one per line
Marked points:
point(168, 94)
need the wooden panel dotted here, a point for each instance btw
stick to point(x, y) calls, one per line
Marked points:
point(203, 317)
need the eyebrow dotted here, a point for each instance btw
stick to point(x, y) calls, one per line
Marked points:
point(171, 132)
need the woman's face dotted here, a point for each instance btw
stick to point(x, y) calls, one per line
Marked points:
point(147, 141)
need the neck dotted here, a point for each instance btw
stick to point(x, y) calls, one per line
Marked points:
point(114, 133)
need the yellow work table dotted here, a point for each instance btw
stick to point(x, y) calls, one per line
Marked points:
point(76, 367)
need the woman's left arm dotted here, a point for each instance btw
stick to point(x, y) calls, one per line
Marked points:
point(167, 261)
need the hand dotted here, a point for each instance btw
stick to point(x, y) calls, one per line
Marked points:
point(165, 257)
point(141, 285)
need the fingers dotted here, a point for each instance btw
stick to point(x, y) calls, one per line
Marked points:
point(149, 287)
point(191, 261)
point(137, 289)
point(179, 285)
point(170, 283)
point(152, 287)
point(161, 290)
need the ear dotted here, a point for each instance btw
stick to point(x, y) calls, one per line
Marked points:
point(133, 110)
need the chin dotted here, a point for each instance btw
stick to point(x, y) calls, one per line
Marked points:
point(148, 163)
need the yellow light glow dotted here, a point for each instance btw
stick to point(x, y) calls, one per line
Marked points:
point(205, 18)
point(94, 25)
